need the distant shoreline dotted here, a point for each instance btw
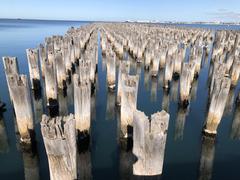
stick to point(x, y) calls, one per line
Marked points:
point(127, 21)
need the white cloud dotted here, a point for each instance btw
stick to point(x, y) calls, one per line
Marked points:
point(225, 15)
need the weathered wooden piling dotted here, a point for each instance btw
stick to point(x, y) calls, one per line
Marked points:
point(59, 136)
point(219, 70)
point(163, 58)
point(155, 64)
point(84, 70)
point(177, 63)
point(218, 100)
point(128, 101)
point(33, 65)
point(60, 70)
point(11, 68)
point(111, 70)
point(168, 73)
point(149, 139)
point(147, 57)
point(235, 72)
point(43, 57)
point(50, 81)
point(82, 103)
point(185, 84)
point(123, 70)
point(20, 95)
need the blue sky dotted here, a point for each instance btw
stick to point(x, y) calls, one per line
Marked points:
point(118, 10)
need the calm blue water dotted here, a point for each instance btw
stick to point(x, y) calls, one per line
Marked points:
point(185, 143)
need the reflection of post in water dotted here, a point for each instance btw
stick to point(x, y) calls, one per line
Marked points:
point(70, 94)
point(180, 122)
point(62, 101)
point(207, 158)
point(30, 162)
point(160, 78)
point(126, 156)
point(235, 132)
point(154, 89)
point(146, 79)
point(194, 89)
point(165, 100)
point(230, 102)
point(4, 147)
point(139, 68)
point(133, 66)
point(37, 105)
point(84, 156)
point(104, 63)
point(174, 90)
point(110, 109)
point(93, 104)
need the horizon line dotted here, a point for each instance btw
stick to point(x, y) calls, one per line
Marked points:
point(129, 20)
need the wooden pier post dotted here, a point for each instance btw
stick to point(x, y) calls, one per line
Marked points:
point(50, 81)
point(43, 57)
point(123, 70)
point(218, 100)
point(60, 70)
point(235, 72)
point(59, 136)
point(11, 68)
point(33, 65)
point(82, 103)
point(20, 95)
point(186, 79)
point(168, 73)
point(128, 101)
point(163, 58)
point(111, 70)
point(84, 70)
point(147, 58)
point(219, 70)
point(149, 139)
point(155, 64)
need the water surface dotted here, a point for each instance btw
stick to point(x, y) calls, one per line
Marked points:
point(105, 157)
